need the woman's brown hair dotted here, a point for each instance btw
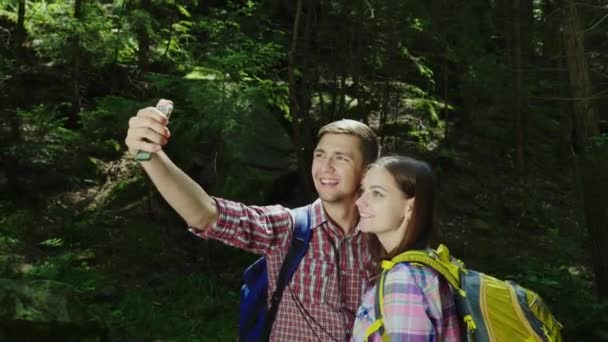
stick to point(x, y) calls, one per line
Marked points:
point(415, 179)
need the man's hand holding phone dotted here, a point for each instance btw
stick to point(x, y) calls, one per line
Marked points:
point(148, 131)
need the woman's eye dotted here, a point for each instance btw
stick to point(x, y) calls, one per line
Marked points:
point(377, 194)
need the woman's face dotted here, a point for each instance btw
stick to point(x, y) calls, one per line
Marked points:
point(383, 208)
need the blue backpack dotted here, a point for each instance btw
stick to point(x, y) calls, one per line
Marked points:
point(256, 319)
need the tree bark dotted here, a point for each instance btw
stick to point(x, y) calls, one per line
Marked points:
point(517, 82)
point(15, 98)
point(384, 110)
point(586, 116)
point(143, 41)
point(20, 33)
point(334, 97)
point(592, 158)
point(298, 104)
point(76, 60)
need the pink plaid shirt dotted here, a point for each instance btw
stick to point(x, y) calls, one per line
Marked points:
point(418, 307)
point(321, 301)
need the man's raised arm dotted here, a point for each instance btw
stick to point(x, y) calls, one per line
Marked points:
point(148, 132)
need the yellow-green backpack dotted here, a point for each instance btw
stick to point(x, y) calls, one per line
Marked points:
point(491, 309)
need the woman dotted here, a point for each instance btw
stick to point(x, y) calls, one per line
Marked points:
point(396, 207)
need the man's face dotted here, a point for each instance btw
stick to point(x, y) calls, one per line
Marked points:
point(337, 167)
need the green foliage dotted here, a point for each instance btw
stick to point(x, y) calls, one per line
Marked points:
point(186, 309)
point(45, 145)
point(599, 141)
point(7, 243)
point(53, 242)
point(52, 22)
point(235, 52)
point(54, 267)
point(485, 77)
point(104, 126)
point(426, 125)
point(126, 191)
point(276, 94)
point(12, 218)
point(218, 109)
point(46, 140)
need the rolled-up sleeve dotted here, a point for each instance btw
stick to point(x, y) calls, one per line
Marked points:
point(257, 229)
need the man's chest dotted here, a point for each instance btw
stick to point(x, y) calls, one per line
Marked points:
point(334, 270)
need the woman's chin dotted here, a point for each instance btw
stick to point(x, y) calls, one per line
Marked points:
point(364, 229)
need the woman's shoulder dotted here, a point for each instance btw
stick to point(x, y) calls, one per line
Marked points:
point(421, 276)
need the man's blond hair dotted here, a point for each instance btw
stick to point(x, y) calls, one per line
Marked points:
point(370, 148)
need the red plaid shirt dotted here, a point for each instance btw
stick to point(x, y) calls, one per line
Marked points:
point(321, 301)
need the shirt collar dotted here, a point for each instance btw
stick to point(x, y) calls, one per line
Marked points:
point(318, 215)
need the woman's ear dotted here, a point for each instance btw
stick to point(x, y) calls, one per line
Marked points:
point(410, 205)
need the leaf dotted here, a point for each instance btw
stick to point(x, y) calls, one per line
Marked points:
point(54, 242)
point(183, 11)
point(203, 73)
point(95, 161)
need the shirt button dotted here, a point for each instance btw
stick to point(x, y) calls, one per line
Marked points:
point(343, 272)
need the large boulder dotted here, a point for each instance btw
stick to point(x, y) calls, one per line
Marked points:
point(44, 310)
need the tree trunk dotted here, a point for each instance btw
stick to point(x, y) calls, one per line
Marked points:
point(20, 33)
point(334, 97)
point(322, 110)
point(592, 158)
point(75, 88)
point(143, 41)
point(342, 90)
point(298, 105)
point(551, 26)
point(384, 111)
point(586, 117)
point(527, 27)
point(357, 58)
point(16, 98)
point(443, 9)
point(517, 82)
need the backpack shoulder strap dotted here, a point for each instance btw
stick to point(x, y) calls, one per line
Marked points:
point(450, 271)
point(299, 245)
point(301, 228)
point(439, 261)
point(378, 324)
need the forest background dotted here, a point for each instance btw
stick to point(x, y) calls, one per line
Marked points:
point(507, 99)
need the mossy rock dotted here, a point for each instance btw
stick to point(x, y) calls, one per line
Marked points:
point(41, 310)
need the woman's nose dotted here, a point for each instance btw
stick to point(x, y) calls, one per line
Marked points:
point(360, 202)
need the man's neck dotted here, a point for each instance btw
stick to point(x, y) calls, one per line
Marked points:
point(344, 214)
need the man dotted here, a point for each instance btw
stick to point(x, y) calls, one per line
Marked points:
point(320, 302)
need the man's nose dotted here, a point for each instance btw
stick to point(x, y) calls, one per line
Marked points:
point(328, 164)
